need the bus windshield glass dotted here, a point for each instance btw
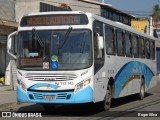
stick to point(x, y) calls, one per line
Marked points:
point(55, 49)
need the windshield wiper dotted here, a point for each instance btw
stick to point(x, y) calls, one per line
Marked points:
point(66, 36)
point(37, 36)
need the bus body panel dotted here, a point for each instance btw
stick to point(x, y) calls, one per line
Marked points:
point(84, 96)
point(33, 86)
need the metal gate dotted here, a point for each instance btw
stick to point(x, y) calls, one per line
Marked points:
point(3, 44)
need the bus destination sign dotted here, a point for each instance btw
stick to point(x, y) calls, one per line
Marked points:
point(48, 20)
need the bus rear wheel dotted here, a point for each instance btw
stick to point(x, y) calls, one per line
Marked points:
point(142, 91)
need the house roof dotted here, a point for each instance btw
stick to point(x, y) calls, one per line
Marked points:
point(108, 6)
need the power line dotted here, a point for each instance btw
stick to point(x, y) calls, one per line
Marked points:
point(137, 11)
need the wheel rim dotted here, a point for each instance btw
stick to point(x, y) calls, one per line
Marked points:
point(108, 98)
point(142, 91)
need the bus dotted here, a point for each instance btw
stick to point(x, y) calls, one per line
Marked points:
point(74, 57)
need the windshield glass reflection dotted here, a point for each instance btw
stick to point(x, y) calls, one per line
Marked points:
point(55, 50)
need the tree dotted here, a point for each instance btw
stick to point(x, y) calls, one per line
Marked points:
point(156, 14)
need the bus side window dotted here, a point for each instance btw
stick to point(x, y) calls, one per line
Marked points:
point(110, 40)
point(135, 45)
point(120, 42)
point(147, 49)
point(142, 48)
point(152, 49)
point(128, 41)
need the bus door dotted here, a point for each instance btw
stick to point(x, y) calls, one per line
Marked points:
point(99, 58)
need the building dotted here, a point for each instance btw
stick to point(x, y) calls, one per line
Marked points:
point(147, 26)
point(140, 24)
point(7, 25)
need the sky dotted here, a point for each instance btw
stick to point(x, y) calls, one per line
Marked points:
point(138, 8)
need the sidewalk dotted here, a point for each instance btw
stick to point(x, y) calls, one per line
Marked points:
point(7, 96)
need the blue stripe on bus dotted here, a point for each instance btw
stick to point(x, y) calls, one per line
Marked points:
point(36, 86)
point(129, 70)
point(83, 96)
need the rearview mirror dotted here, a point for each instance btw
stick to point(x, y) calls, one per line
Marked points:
point(100, 42)
point(9, 44)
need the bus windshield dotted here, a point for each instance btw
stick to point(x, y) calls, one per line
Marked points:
point(54, 49)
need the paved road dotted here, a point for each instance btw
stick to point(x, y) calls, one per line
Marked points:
point(123, 108)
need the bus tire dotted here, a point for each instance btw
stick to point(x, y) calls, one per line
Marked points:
point(142, 90)
point(107, 101)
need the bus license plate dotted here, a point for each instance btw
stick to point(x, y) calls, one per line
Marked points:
point(49, 97)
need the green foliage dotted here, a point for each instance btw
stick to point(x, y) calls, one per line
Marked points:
point(2, 80)
point(156, 12)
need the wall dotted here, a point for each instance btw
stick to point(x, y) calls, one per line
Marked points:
point(23, 7)
point(7, 10)
point(140, 25)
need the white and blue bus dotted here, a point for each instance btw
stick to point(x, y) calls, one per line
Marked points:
point(77, 57)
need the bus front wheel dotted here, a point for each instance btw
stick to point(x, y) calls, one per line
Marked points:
point(107, 101)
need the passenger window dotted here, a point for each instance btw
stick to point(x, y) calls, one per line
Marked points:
point(120, 42)
point(110, 40)
point(141, 48)
point(152, 50)
point(135, 45)
point(147, 47)
point(128, 43)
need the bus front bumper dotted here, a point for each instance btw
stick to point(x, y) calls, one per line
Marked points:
point(83, 96)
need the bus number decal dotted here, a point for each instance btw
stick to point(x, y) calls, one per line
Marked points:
point(64, 83)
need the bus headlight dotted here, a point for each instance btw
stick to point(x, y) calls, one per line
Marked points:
point(22, 85)
point(80, 85)
point(87, 82)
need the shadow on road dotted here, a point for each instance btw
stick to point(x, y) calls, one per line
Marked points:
point(63, 110)
point(77, 109)
point(125, 100)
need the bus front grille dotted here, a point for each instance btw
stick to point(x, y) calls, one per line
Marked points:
point(50, 77)
point(59, 96)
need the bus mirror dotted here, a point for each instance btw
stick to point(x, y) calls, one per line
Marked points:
point(9, 44)
point(100, 42)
